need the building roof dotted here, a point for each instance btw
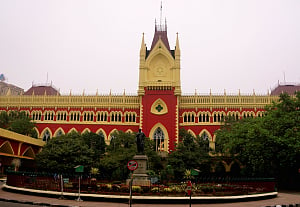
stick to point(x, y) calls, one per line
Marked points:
point(40, 90)
point(288, 88)
point(160, 33)
point(10, 89)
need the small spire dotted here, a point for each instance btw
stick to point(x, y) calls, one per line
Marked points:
point(97, 92)
point(70, 92)
point(143, 46)
point(177, 48)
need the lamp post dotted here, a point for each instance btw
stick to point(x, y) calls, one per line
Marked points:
point(79, 169)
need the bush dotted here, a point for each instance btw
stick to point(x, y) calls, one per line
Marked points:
point(167, 190)
point(155, 190)
point(136, 189)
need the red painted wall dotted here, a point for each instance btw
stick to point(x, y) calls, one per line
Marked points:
point(167, 120)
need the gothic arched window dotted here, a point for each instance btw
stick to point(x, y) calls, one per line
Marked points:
point(159, 138)
point(46, 136)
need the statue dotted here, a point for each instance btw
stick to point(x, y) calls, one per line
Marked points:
point(140, 139)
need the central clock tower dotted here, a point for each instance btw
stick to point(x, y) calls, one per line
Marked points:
point(159, 89)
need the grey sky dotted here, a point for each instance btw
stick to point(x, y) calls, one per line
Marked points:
point(90, 45)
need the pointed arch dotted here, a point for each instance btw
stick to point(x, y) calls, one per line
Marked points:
point(86, 130)
point(159, 49)
point(110, 137)
point(37, 131)
point(46, 134)
point(29, 152)
point(206, 132)
point(165, 144)
point(59, 132)
point(7, 148)
point(191, 132)
point(103, 132)
point(72, 130)
point(129, 131)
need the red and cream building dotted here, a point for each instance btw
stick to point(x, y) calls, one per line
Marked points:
point(159, 108)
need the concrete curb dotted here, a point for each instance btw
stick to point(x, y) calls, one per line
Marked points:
point(34, 203)
point(284, 205)
point(143, 199)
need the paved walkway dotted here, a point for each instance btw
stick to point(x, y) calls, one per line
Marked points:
point(283, 198)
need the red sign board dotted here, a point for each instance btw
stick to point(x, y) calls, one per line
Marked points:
point(189, 187)
point(132, 165)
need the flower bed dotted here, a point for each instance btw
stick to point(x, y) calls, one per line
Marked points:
point(90, 185)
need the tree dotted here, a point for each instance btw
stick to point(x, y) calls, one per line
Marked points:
point(18, 122)
point(63, 153)
point(267, 146)
point(96, 143)
point(122, 148)
point(191, 153)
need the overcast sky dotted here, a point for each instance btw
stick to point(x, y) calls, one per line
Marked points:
point(90, 45)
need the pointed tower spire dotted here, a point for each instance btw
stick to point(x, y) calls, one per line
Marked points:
point(177, 48)
point(160, 32)
point(143, 47)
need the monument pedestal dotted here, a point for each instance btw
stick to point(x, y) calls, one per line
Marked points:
point(140, 176)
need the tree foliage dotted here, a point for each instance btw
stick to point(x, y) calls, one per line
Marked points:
point(63, 153)
point(191, 153)
point(267, 146)
point(19, 122)
point(122, 148)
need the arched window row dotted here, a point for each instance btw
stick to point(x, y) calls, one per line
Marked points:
point(188, 117)
point(61, 116)
point(74, 116)
point(233, 115)
point(115, 116)
point(36, 115)
point(27, 113)
point(130, 117)
point(248, 114)
point(218, 116)
point(203, 117)
point(260, 114)
point(102, 116)
point(49, 115)
point(88, 116)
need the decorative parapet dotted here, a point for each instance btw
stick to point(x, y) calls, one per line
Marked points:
point(70, 101)
point(219, 101)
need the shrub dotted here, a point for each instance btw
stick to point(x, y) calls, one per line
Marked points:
point(167, 190)
point(155, 190)
point(136, 189)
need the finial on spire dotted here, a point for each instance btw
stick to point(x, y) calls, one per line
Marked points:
point(160, 13)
